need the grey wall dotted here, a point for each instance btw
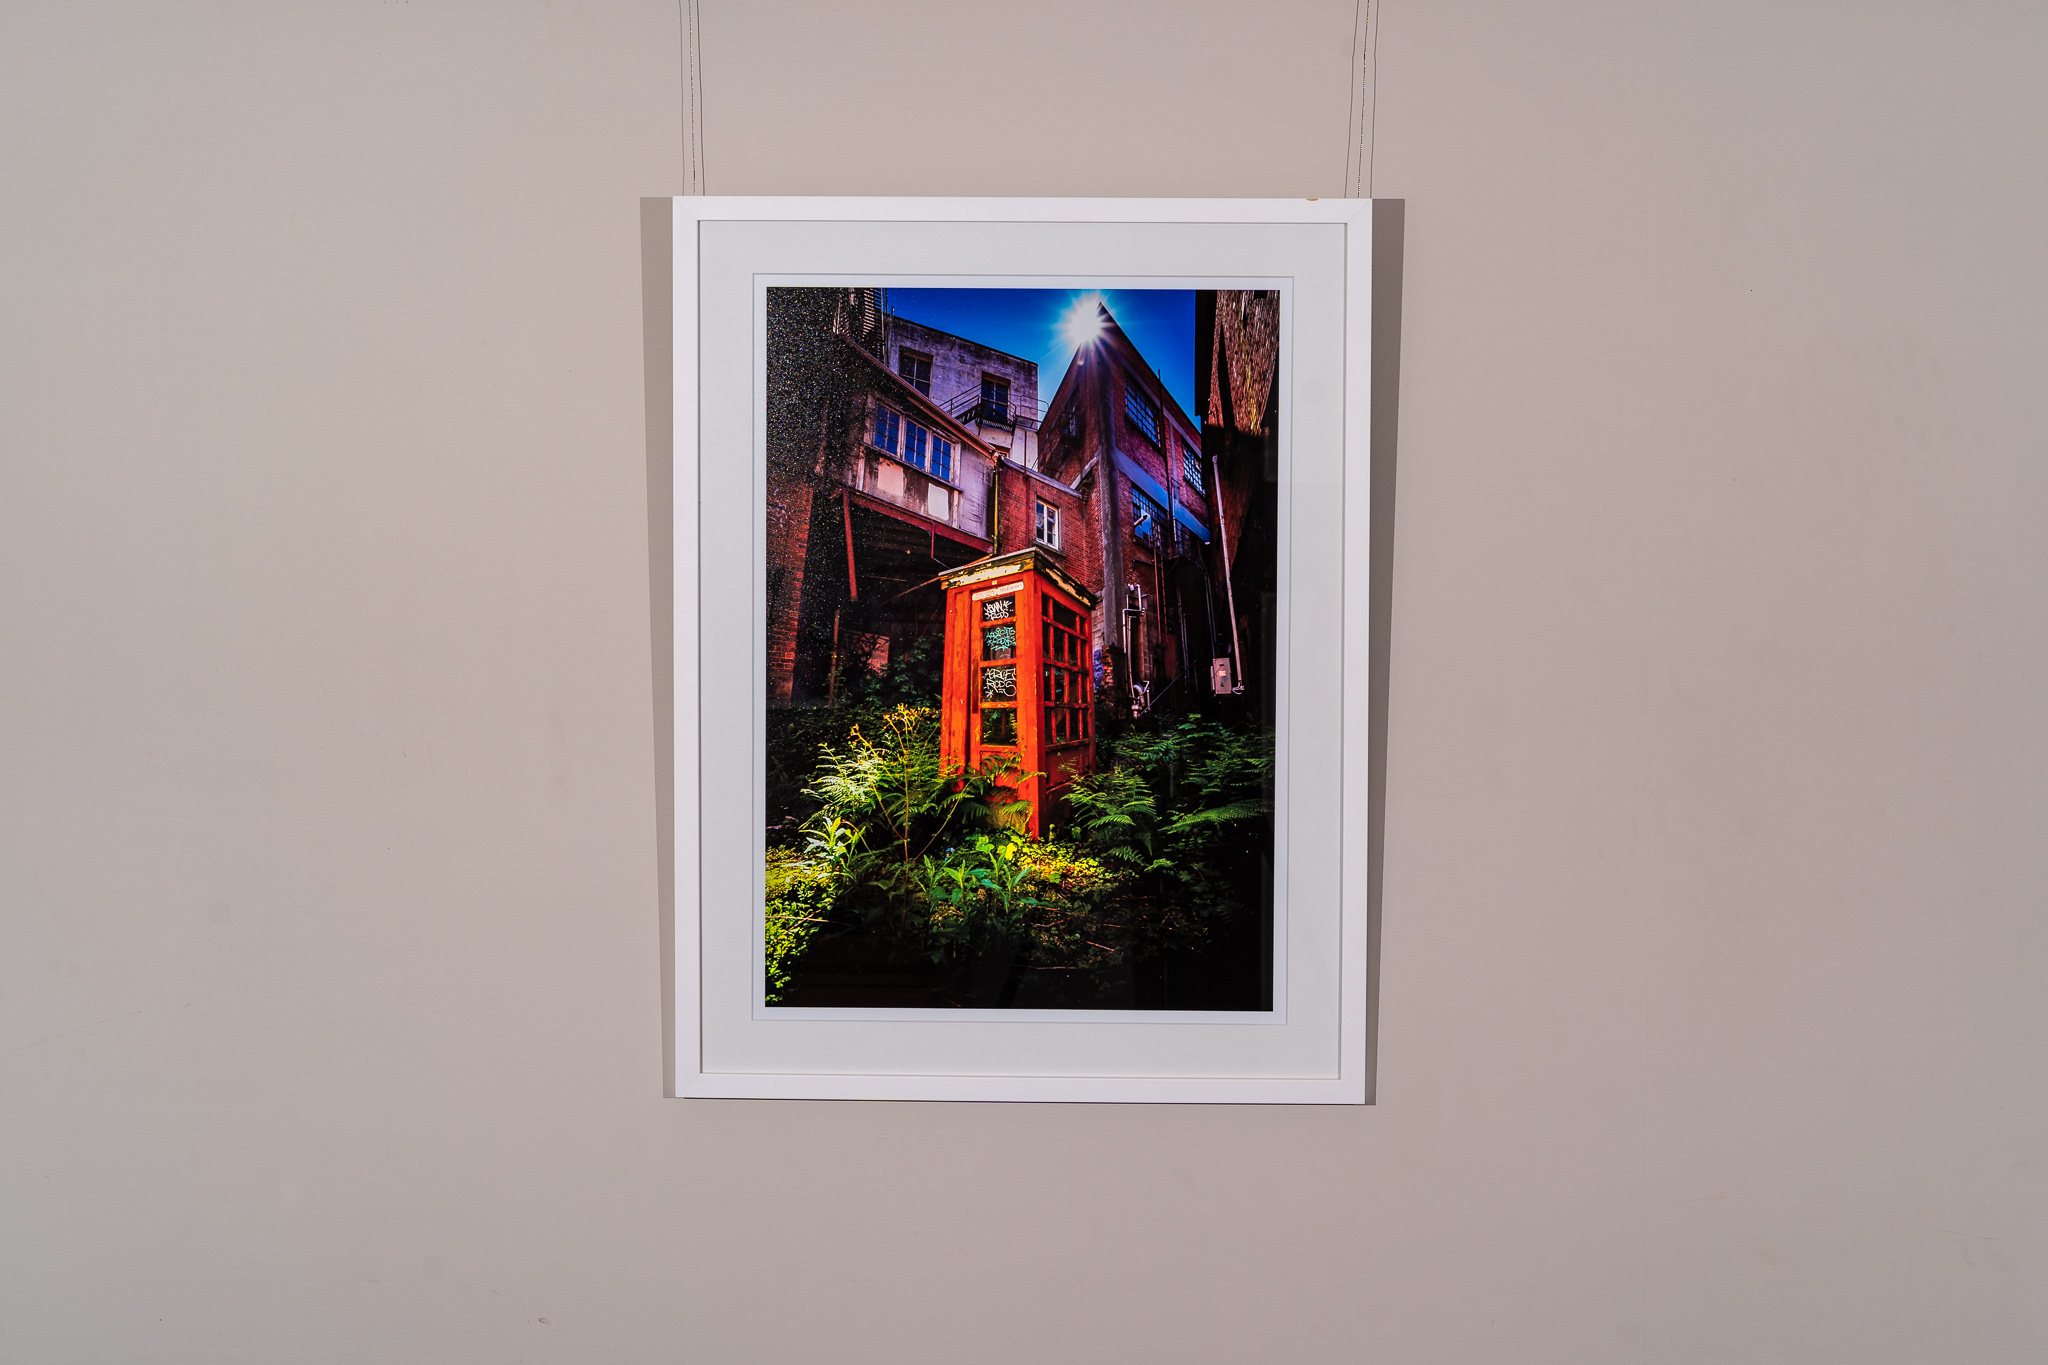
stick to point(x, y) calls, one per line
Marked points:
point(1713, 933)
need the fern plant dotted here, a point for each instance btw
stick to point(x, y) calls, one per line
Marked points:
point(886, 800)
point(1186, 809)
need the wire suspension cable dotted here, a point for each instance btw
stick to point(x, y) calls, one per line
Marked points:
point(693, 104)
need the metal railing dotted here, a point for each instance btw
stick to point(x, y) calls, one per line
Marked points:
point(976, 406)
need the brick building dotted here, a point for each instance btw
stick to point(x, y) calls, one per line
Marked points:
point(894, 454)
point(898, 452)
point(1237, 386)
point(872, 488)
point(1114, 435)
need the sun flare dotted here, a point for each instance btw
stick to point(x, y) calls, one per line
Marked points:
point(1083, 321)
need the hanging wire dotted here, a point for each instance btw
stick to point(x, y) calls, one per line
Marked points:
point(1372, 62)
point(693, 106)
point(1359, 142)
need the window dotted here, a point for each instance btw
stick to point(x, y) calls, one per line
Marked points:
point(1046, 526)
point(995, 398)
point(1064, 671)
point(922, 444)
point(1191, 463)
point(1143, 413)
point(917, 369)
point(1146, 518)
point(887, 429)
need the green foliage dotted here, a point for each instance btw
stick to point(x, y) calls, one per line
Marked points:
point(888, 779)
point(1185, 809)
point(1115, 813)
point(833, 846)
point(911, 679)
point(796, 734)
point(889, 784)
point(795, 737)
point(1168, 841)
point(799, 901)
point(977, 889)
point(1064, 870)
point(1042, 901)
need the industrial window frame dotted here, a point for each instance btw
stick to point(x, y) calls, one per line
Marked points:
point(1147, 517)
point(1191, 464)
point(1142, 411)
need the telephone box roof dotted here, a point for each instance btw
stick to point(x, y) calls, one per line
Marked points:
point(1029, 558)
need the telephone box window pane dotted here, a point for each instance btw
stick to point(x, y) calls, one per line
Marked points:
point(999, 727)
point(998, 642)
point(999, 609)
point(999, 684)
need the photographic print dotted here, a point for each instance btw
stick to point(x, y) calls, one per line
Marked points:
point(1020, 598)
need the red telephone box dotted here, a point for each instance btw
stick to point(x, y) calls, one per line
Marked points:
point(1018, 678)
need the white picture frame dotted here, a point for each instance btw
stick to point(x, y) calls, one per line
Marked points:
point(1314, 1050)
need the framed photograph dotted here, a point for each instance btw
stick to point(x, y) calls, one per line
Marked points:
point(1020, 621)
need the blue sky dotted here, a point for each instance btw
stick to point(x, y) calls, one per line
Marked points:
point(1027, 323)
